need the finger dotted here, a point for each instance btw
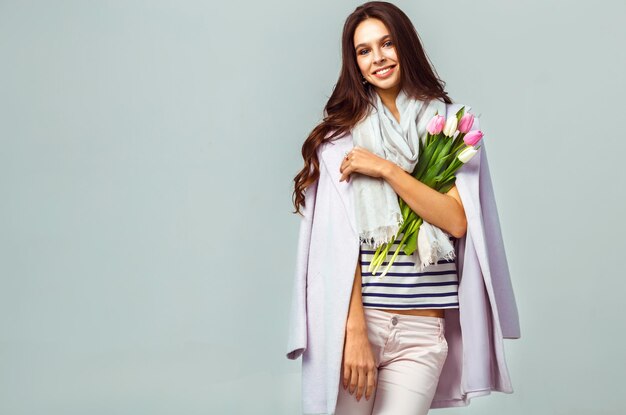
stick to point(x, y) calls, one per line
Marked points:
point(346, 376)
point(353, 380)
point(362, 383)
point(345, 174)
point(371, 383)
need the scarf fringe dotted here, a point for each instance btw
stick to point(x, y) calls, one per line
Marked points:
point(383, 234)
point(438, 253)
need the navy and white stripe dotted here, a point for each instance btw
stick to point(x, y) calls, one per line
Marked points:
point(404, 287)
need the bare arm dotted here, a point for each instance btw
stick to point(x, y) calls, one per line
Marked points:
point(442, 210)
point(356, 316)
point(358, 363)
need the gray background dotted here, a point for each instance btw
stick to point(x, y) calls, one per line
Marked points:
point(147, 152)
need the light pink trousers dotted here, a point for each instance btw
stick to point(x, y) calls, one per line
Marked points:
point(410, 352)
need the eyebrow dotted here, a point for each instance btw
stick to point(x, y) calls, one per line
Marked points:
point(365, 44)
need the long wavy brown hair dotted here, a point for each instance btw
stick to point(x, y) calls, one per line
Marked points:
point(350, 99)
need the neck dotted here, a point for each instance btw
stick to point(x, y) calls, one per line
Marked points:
point(388, 97)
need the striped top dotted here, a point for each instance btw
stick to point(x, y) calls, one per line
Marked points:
point(404, 287)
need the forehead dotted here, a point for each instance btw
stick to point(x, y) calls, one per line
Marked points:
point(369, 30)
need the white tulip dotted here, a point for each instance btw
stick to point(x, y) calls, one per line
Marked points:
point(467, 154)
point(450, 127)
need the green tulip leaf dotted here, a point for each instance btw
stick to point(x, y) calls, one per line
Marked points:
point(460, 113)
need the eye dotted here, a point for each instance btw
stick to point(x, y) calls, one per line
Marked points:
point(389, 42)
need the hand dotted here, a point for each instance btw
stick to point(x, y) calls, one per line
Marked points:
point(360, 160)
point(358, 365)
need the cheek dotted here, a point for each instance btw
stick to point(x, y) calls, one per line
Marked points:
point(362, 66)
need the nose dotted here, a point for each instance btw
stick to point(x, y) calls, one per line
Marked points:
point(378, 56)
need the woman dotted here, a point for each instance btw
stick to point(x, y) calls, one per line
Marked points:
point(395, 344)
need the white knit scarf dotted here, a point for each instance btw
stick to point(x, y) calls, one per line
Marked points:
point(378, 215)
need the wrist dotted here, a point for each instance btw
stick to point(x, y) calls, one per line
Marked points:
point(356, 326)
point(388, 169)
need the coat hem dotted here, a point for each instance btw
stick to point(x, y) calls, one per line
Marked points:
point(466, 399)
point(439, 404)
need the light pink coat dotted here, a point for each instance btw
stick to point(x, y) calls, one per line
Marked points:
point(327, 253)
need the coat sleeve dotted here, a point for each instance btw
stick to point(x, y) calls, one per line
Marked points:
point(297, 338)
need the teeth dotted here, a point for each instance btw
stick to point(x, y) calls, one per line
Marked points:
point(383, 71)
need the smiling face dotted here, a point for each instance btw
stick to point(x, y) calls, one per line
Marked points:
point(375, 51)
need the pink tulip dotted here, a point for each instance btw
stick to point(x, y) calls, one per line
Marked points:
point(466, 122)
point(436, 124)
point(473, 137)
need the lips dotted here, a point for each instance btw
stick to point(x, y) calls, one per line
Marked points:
point(378, 70)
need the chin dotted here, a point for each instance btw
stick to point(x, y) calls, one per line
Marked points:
point(387, 86)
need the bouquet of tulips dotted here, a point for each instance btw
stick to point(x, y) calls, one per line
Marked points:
point(448, 145)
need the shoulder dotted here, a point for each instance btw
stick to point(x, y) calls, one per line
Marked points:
point(336, 143)
point(456, 106)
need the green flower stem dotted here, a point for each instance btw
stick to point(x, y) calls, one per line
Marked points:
point(411, 230)
point(382, 257)
point(379, 256)
point(404, 238)
point(375, 258)
point(381, 253)
point(411, 243)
